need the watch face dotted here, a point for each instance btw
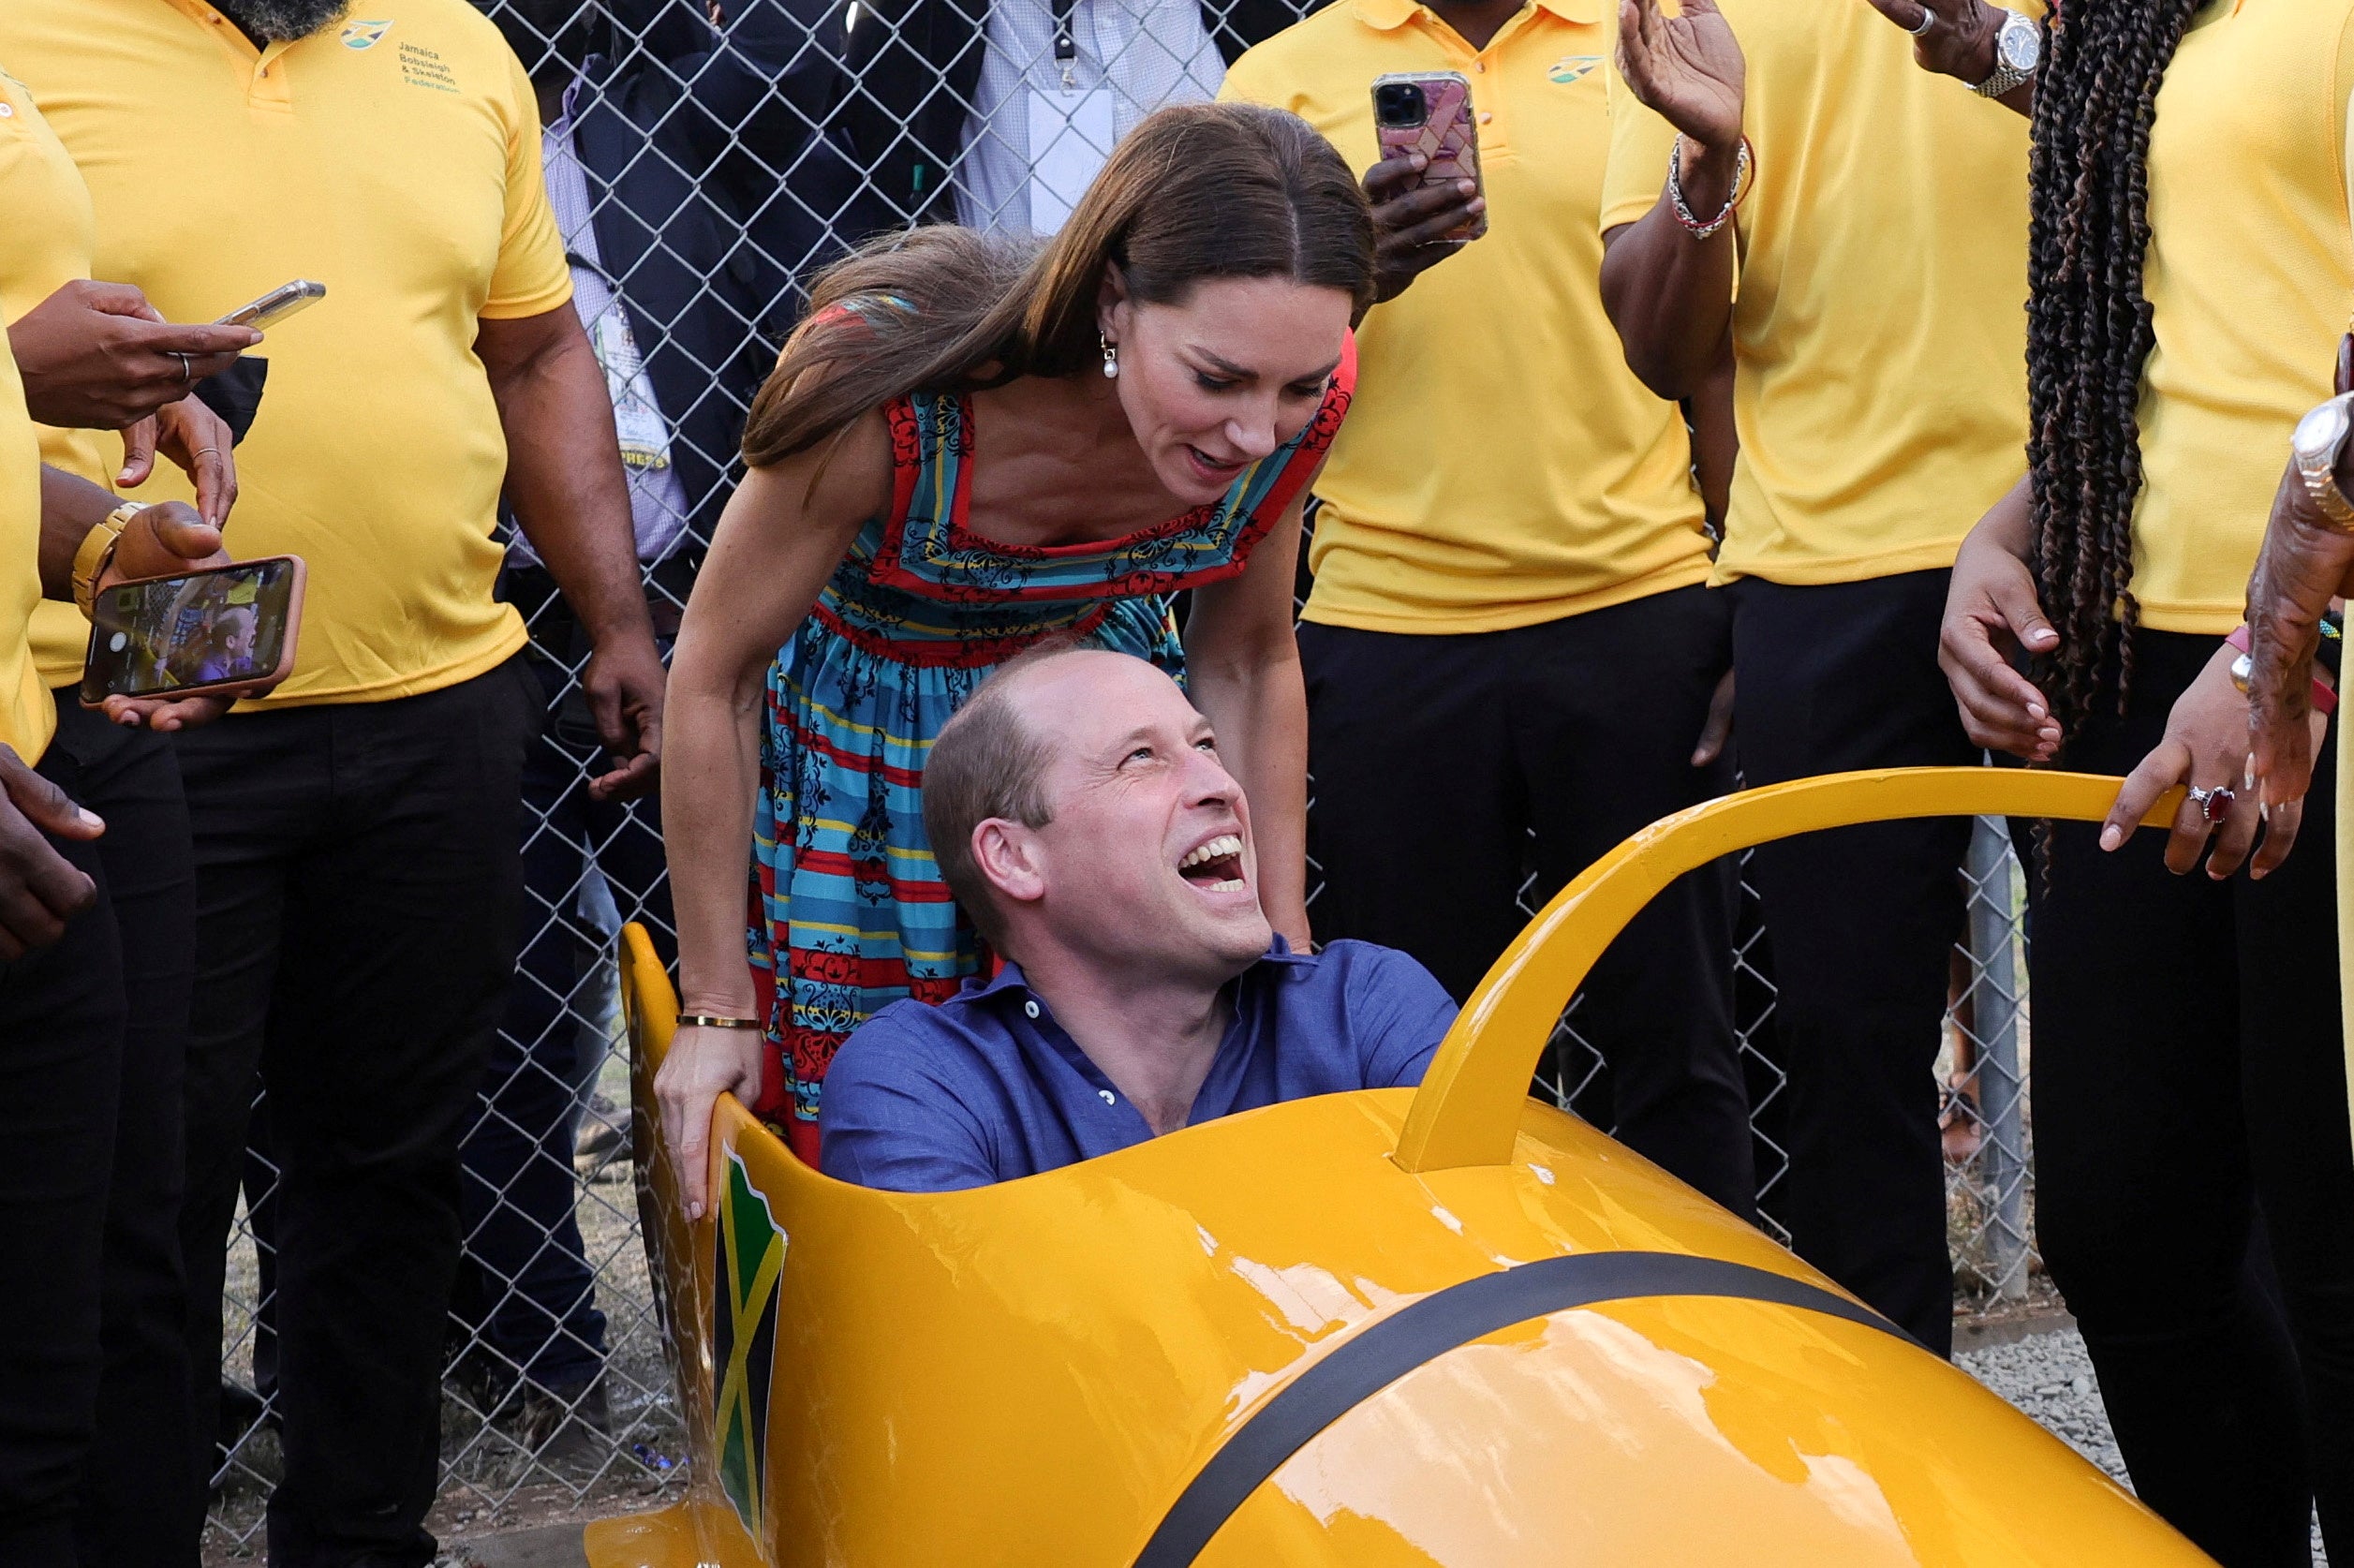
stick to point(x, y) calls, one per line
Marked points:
point(2322, 432)
point(2020, 43)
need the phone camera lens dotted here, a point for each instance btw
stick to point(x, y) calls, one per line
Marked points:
point(1400, 103)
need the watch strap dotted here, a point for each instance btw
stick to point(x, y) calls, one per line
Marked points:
point(2321, 483)
point(97, 554)
point(2005, 76)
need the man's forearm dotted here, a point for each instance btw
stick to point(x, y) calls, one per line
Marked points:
point(1669, 292)
point(71, 508)
point(565, 482)
point(1260, 714)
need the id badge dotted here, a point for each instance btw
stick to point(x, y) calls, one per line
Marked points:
point(1070, 137)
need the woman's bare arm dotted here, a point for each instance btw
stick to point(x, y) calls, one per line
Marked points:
point(783, 533)
point(1242, 666)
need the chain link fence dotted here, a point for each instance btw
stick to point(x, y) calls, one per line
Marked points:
point(725, 151)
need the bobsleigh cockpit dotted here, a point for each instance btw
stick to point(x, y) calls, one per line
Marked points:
point(1452, 1327)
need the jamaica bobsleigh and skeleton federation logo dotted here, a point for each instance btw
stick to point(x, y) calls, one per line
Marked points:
point(751, 1255)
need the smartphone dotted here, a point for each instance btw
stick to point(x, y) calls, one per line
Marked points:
point(274, 306)
point(224, 631)
point(1430, 112)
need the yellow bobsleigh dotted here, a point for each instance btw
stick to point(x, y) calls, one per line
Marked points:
point(1452, 1327)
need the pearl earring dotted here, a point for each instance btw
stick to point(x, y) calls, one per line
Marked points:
point(1111, 358)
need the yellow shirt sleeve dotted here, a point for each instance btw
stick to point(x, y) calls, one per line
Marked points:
point(1640, 143)
point(531, 277)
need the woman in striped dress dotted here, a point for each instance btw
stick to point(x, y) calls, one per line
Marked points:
point(966, 450)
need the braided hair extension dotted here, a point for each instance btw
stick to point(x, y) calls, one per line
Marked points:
point(2088, 331)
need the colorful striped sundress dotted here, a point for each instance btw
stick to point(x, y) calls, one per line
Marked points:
point(849, 911)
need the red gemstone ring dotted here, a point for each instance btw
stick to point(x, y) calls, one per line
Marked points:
point(2215, 804)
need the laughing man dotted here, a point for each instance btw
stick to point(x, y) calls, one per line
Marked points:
point(1082, 816)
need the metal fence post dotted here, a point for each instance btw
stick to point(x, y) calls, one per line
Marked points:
point(1994, 1018)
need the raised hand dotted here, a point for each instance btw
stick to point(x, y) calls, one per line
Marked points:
point(1411, 221)
point(1953, 37)
point(1687, 68)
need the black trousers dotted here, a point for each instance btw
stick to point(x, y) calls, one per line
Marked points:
point(525, 1286)
point(1435, 757)
point(358, 887)
point(2188, 1079)
point(61, 1061)
point(138, 1486)
point(1862, 920)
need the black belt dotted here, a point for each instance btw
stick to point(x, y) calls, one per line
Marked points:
point(1429, 1328)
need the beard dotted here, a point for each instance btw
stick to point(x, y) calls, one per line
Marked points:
point(283, 20)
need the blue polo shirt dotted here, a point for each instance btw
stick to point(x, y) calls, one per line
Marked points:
point(986, 1087)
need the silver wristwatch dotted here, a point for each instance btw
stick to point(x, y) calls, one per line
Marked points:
point(2321, 438)
point(2017, 50)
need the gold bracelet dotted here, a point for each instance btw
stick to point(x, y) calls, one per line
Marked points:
point(97, 553)
point(715, 1021)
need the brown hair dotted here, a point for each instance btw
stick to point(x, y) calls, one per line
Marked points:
point(985, 763)
point(1197, 191)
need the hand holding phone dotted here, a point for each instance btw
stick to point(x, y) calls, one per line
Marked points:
point(1427, 193)
point(221, 631)
point(276, 305)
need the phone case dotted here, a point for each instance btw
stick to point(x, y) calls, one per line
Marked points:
point(1449, 136)
point(245, 686)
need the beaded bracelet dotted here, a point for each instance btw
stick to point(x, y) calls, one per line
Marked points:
point(1693, 226)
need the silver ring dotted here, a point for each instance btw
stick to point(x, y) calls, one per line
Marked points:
point(2215, 804)
point(1929, 19)
point(187, 375)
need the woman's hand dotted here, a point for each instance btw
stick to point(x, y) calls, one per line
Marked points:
point(96, 356)
point(198, 443)
point(1718, 728)
point(2205, 747)
point(703, 1063)
point(1688, 69)
point(1990, 611)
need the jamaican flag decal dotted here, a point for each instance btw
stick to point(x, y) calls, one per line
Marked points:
point(751, 1254)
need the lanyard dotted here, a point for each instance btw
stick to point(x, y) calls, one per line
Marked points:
point(1066, 47)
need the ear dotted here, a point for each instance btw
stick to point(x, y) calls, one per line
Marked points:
point(1009, 855)
point(1112, 308)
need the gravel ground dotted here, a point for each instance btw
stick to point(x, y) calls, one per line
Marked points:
point(2050, 1376)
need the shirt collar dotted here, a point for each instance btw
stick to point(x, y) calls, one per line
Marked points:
point(1386, 15)
point(1009, 977)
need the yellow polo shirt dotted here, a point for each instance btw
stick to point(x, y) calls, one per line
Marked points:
point(395, 158)
point(1880, 328)
point(27, 717)
point(2249, 274)
point(53, 231)
point(1500, 464)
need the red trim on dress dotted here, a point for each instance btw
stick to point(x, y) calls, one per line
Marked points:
point(888, 568)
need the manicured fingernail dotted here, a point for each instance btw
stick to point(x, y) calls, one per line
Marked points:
point(89, 817)
point(2111, 838)
point(2034, 710)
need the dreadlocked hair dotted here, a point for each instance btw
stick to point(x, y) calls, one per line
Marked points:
point(2088, 331)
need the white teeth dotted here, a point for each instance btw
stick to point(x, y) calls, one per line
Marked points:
point(1232, 885)
point(1228, 845)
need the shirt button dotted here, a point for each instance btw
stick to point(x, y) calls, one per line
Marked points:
point(1109, 1098)
point(1480, 65)
point(1486, 115)
point(1030, 1008)
point(8, 112)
